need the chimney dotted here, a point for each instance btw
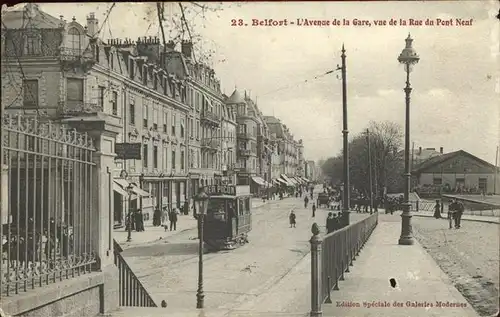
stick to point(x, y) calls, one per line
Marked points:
point(441, 150)
point(187, 49)
point(171, 45)
point(419, 150)
point(92, 25)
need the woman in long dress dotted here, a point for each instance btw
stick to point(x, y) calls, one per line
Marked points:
point(437, 210)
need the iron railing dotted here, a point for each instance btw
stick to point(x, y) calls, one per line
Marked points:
point(210, 116)
point(70, 108)
point(132, 292)
point(332, 255)
point(47, 210)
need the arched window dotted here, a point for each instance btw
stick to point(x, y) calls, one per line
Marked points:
point(74, 40)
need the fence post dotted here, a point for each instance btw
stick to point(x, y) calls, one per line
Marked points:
point(316, 273)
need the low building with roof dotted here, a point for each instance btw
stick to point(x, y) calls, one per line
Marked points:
point(455, 172)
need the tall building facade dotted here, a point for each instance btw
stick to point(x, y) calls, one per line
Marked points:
point(157, 98)
point(290, 151)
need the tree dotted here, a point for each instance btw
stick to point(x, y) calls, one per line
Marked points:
point(386, 139)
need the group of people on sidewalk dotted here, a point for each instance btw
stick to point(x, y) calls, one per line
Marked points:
point(455, 212)
point(161, 217)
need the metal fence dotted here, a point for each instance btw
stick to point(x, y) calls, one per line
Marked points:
point(331, 257)
point(46, 204)
point(132, 292)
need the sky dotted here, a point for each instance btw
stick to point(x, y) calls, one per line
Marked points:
point(456, 84)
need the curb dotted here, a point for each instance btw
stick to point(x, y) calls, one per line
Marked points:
point(463, 219)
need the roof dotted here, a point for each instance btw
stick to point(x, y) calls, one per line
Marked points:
point(235, 98)
point(18, 19)
point(425, 154)
point(441, 158)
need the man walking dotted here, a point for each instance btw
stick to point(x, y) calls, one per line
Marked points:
point(306, 200)
point(172, 217)
point(314, 210)
point(458, 214)
point(451, 211)
point(330, 223)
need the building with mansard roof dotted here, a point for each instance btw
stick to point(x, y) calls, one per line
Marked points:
point(291, 152)
point(153, 96)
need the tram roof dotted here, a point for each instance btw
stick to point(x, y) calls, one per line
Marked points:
point(230, 196)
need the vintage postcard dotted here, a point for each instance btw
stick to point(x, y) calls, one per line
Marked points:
point(230, 159)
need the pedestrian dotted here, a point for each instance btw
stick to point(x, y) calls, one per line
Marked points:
point(292, 218)
point(451, 212)
point(306, 200)
point(437, 210)
point(139, 220)
point(157, 217)
point(172, 217)
point(459, 210)
point(314, 210)
point(330, 223)
point(336, 222)
point(186, 207)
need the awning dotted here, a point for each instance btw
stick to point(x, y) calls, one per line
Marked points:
point(286, 180)
point(300, 181)
point(123, 183)
point(277, 182)
point(117, 188)
point(140, 192)
point(259, 180)
point(281, 181)
point(306, 180)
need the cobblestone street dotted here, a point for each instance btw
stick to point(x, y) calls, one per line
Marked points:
point(169, 271)
point(469, 256)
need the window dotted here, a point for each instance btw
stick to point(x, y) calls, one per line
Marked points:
point(155, 156)
point(114, 102)
point(483, 184)
point(191, 128)
point(74, 90)
point(165, 120)
point(30, 93)
point(100, 97)
point(155, 119)
point(182, 160)
point(183, 122)
point(173, 160)
point(145, 155)
point(145, 116)
point(32, 41)
point(74, 40)
point(198, 129)
point(437, 181)
point(191, 158)
point(174, 119)
point(132, 113)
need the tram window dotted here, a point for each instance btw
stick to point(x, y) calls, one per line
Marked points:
point(241, 207)
point(247, 205)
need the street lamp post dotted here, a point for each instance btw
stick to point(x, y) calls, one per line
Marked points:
point(129, 224)
point(370, 169)
point(345, 132)
point(408, 58)
point(202, 201)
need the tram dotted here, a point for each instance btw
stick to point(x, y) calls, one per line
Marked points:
point(229, 216)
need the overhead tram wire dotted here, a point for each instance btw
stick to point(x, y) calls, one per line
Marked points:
point(298, 83)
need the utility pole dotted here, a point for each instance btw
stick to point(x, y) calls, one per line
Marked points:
point(496, 172)
point(345, 132)
point(370, 169)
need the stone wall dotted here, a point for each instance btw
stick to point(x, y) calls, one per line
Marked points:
point(87, 295)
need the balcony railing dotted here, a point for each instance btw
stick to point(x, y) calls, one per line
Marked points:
point(245, 152)
point(210, 143)
point(210, 117)
point(78, 108)
point(244, 135)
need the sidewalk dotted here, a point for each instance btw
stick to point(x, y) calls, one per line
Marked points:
point(153, 234)
point(420, 282)
point(488, 219)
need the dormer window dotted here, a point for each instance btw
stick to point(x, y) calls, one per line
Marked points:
point(32, 41)
point(74, 40)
